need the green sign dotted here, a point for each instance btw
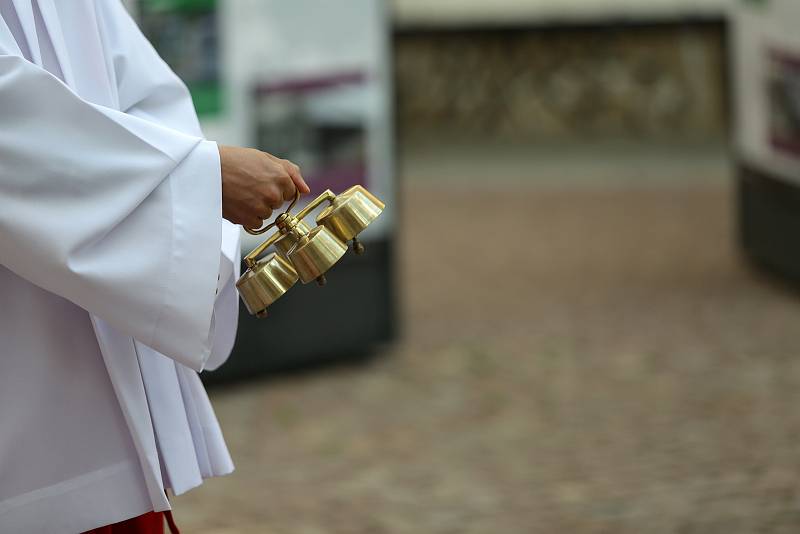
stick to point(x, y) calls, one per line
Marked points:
point(186, 35)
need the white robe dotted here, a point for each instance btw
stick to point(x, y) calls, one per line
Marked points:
point(116, 273)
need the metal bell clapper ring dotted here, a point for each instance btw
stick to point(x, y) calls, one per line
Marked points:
point(305, 254)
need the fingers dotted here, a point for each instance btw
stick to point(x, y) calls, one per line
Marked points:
point(294, 173)
point(256, 216)
point(256, 183)
point(266, 214)
point(277, 180)
point(274, 195)
point(277, 192)
point(252, 222)
point(296, 176)
point(288, 188)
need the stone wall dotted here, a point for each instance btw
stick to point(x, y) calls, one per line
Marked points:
point(653, 82)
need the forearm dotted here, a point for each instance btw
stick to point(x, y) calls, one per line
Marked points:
point(115, 213)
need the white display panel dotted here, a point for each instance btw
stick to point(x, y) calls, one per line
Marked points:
point(271, 44)
point(766, 69)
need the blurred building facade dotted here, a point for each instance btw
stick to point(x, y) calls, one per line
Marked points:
point(565, 70)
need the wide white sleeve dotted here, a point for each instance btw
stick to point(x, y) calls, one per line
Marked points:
point(118, 214)
point(226, 308)
point(149, 89)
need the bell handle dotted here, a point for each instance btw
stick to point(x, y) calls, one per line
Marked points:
point(287, 210)
point(294, 200)
point(326, 196)
point(252, 258)
point(260, 230)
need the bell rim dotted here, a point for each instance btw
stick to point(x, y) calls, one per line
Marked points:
point(248, 282)
point(331, 210)
point(339, 252)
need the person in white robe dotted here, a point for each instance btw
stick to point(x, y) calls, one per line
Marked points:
point(116, 269)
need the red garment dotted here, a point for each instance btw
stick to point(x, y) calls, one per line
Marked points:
point(149, 523)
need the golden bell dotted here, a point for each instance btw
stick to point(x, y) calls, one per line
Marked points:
point(266, 282)
point(350, 213)
point(315, 253)
point(303, 253)
point(285, 243)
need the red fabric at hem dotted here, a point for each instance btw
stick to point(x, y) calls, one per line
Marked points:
point(149, 523)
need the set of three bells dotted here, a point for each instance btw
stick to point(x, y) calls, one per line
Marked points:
point(303, 253)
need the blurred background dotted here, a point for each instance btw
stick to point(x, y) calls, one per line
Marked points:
point(579, 311)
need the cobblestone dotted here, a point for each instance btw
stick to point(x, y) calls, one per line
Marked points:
point(595, 360)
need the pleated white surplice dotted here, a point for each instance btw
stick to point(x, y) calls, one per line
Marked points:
point(116, 273)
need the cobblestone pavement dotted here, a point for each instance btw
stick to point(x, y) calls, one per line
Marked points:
point(594, 360)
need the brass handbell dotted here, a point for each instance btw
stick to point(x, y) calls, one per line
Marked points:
point(303, 253)
point(266, 282)
point(315, 253)
point(350, 213)
point(285, 243)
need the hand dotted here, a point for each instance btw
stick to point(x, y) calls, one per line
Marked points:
point(254, 183)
